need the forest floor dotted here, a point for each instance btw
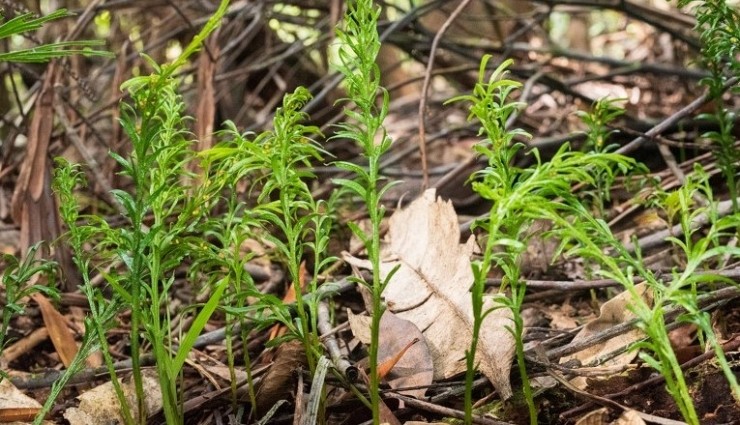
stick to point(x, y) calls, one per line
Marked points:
point(580, 325)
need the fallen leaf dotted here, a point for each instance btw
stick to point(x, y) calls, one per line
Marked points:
point(629, 417)
point(18, 414)
point(100, 406)
point(613, 312)
point(14, 405)
point(431, 289)
point(60, 334)
point(385, 367)
point(414, 368)
point(280, 380)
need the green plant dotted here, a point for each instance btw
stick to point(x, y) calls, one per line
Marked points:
point(279, 160)
point(519, 196)
point(602, 113)
point(45, 52)
point(359, 47)
point(718, 25)
point(149, 252)
point(17, 280)
point(102, 311)
point(591, 235)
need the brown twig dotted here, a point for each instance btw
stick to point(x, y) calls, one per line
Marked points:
point(425, 90)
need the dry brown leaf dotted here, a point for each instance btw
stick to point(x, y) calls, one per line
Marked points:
point(613, 312)
point(18, 414)
point(15, 406)
point(414, 368)
point(432, 290)
point(280, 379)
point(385, 367)
point(60, 334)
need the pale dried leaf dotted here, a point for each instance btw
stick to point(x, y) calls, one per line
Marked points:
point(595, 417)
point(13, 398)
point(629, 417)
point(415, 368)
point(432, 290)
point(613, 312)
point(100, 406)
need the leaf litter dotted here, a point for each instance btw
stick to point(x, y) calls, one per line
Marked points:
point(431, 289)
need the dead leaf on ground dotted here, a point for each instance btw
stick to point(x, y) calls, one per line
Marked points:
point(432, 290)
point(613, 312)
point(60, 334)
point(15, 406)
point(414, 368)
point(100, 406)
point(601, 417)
point(280, 380)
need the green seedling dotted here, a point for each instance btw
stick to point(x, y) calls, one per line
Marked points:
point(718, 25)
point(591, 236)
point(45, 52)
point(359, 48)
point(519, 196)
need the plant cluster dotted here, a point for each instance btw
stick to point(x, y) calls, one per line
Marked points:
point(718, 25)
point(682, 289)
point(519, 197)
point(176, 190)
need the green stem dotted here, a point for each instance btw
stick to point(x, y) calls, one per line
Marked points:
point(374, 254)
